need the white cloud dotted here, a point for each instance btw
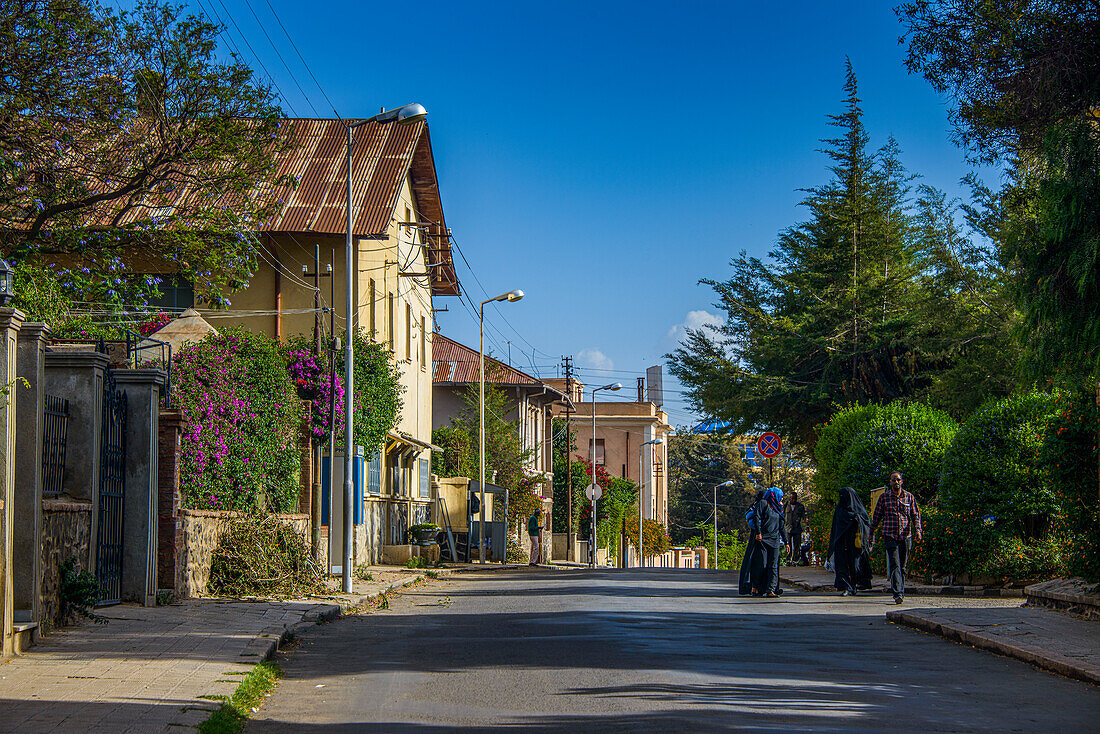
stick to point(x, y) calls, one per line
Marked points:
point(694, 320)
point(594, 358)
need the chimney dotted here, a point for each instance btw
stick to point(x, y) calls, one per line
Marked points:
point(641, 389)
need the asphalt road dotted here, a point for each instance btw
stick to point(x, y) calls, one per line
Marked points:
point(652, 650)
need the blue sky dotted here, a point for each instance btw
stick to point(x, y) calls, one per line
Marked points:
point(605, 156)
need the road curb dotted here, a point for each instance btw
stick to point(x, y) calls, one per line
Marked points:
point(974, 636)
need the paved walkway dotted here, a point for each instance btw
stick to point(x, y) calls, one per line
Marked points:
point(1056, 641)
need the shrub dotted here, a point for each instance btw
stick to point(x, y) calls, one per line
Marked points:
point(909, 437)
point(655, 538)
point(238, 449)
point(1069, 459)
point(965, 543)
point(262, 556)
point(835, 438)
point(993, 470)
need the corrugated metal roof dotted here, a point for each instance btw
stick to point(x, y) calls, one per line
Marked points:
point(454, 362)
point(382, 156)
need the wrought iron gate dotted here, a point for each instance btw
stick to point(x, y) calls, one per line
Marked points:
point(112, 476)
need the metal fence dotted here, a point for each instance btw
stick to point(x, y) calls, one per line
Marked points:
point(55, 433)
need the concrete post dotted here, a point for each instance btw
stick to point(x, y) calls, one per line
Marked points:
point(78, 377)
point(168, 497)
point(139, 502)
point(10, 321)
point(27, 533)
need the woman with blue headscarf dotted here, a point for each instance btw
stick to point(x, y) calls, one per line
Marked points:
point(771, 534)
point(752, 565)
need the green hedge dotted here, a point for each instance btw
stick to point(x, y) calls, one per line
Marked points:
point(1068, 459)
point(908, 437)
point(993, 467)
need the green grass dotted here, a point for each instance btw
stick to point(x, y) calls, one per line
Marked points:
point(230, 718)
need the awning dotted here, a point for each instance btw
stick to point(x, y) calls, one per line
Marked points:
point(408, 443)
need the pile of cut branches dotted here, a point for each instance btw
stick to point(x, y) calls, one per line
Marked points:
point(262, 556)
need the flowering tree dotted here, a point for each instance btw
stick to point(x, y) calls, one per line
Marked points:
point(241, 415)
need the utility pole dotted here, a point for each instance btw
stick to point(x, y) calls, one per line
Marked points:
point(567, 364)
point(315, 500)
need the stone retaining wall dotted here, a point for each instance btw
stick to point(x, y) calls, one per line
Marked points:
point(66, 533)
point(200, 532)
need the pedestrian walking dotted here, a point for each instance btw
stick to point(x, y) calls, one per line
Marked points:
point(796, 518)
point(771, 533)
point(850, 543)
point(752, 565)
point(534, 526)
point(899, 516)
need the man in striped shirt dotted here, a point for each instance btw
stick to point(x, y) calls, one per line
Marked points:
point(897, 511)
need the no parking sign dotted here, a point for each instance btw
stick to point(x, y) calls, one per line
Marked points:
point(769, 445)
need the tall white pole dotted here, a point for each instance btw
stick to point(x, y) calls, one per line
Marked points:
point(592, 543)
point(641, 498)
point(349, 386)
point(481, 435)
point(715, 527)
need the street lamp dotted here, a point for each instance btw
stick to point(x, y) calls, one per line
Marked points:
point(592, 544)
point(641, 493)
point(728, 483)
point(402, 116)
point(510, 296)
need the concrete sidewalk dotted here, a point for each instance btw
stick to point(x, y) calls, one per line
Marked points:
point(816, 578)
point(155, 669)
point(148, 668)
point(1052, 640)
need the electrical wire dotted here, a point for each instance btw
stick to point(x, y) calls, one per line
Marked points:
point(281, 59)
point(308, 70)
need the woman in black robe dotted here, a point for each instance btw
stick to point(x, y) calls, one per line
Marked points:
point(849, 543)
point(752, 565)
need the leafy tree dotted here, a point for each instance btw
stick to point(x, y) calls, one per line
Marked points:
point(122, 133)
point(1024, 81)
point(504, 456)
point(853, 307)
point(655, 538)
point(697, 462)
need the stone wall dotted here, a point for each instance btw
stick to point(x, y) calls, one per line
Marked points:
point(200, 532)
point(66, 533)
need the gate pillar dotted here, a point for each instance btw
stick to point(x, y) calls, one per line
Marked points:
point(139, 504)
point(10, 321)
point(78, 377)
point(27, 534)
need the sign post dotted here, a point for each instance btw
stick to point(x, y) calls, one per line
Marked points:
point(769, 445)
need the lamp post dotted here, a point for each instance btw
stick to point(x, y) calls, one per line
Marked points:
point(641, 493)
point(728, 483)
point(510, 296)
point(402, 116)
point(592, 543)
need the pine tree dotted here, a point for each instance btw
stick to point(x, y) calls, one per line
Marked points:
point(842, 312)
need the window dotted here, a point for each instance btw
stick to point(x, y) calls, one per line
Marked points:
point(390, 317)
point(408, 332)
point(374, 474)
point(371, 295)
point(599, 451)
point(423, 342)
point(425, 479)
point(176, 292)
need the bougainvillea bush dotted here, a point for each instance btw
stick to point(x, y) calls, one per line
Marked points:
point(241, 415)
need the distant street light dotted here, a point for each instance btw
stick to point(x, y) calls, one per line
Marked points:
point(592, 544)
point(402, 116)
point(510, 296)
point(641, 493)
point(729, 483)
